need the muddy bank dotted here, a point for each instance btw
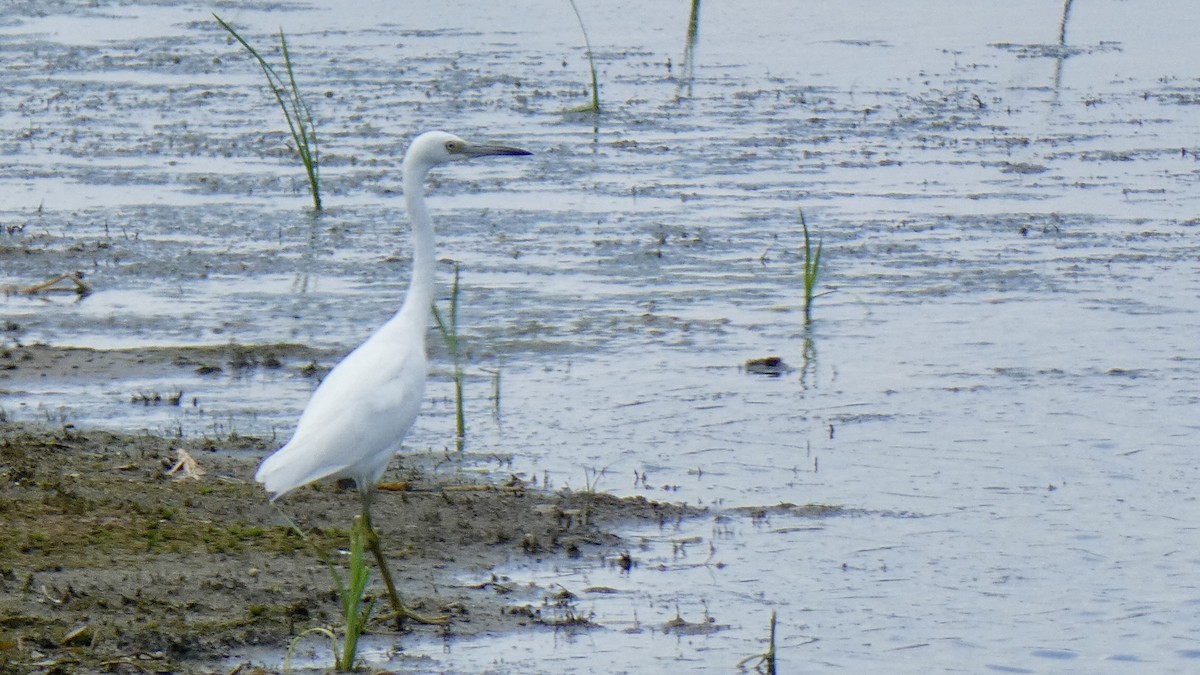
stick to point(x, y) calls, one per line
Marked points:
point(20, 362)
point(110, 562)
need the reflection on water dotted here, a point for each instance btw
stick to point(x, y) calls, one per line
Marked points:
point(687, 69)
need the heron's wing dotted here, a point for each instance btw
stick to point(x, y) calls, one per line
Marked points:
point(356, 418)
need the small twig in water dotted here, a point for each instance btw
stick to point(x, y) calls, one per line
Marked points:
point(80, 287)
point(764, 662)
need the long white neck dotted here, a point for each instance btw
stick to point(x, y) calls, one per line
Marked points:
point(420, 289)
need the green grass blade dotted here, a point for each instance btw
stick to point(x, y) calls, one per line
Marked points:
point(295, 111)
point(304, 126)
point(595, 107)
point(443, 328)
point(812, 266)
point(449, 331)
point(352, 610)
point(459, 417)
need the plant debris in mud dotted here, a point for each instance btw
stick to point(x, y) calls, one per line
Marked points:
point(110, 560)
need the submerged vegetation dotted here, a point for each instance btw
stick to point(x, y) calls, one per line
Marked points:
point(295, 110)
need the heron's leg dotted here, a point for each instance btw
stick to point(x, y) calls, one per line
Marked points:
point(402, 611)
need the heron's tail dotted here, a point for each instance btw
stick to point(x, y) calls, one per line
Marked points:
point(288, 468)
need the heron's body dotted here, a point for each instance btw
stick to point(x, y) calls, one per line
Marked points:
point(357, 418)
point(355, 421)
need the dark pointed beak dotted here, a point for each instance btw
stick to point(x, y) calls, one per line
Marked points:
point(485, 150)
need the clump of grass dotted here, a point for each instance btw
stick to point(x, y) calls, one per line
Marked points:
point(812, 267)
point(354, 612)
point(295, 110)
point(449, 331)
point(594, 106)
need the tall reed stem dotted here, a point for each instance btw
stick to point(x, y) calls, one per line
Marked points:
point(449, 331)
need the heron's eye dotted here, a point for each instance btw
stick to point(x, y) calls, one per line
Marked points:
point(452, 147)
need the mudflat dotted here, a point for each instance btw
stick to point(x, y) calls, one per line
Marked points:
point(118, 554)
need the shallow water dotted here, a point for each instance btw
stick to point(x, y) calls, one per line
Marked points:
point(998, 383)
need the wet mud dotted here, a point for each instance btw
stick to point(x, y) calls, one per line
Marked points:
point(20, 363)
point(112, 562)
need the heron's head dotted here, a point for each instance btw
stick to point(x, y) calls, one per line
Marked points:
point(438, 147)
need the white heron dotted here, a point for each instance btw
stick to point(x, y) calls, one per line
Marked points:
point(356, 419)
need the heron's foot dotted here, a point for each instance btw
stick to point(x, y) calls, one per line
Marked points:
point(402, 613)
